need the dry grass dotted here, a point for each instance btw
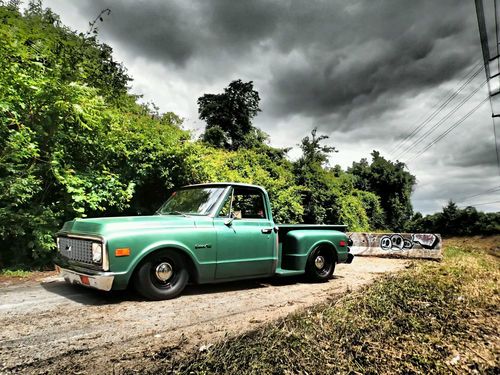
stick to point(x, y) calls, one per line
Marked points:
point(432, 318)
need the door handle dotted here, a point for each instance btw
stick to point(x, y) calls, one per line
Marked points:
point(266, 230)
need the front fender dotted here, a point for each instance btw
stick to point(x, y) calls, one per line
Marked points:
point(168, 244)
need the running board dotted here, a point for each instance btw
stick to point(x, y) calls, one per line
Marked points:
point(282, 273)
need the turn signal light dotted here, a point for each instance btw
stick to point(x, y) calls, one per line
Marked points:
point(122, 252)
point(84, 280)
point(342, 243)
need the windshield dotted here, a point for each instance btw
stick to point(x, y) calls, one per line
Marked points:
point(192, 201)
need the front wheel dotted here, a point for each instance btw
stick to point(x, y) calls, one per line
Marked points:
point(321, 264)
point(162, 275)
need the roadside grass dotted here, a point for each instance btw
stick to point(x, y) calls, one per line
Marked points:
point(15, 273)
point(434, 317)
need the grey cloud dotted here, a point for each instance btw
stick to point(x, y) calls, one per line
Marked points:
point(325, 56)
point(165, 31)
point(395, 48)
point(179, 31)
point(479, 152)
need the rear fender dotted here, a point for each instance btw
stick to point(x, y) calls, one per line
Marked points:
point(324, 243)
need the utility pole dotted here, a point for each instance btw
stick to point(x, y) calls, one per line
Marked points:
point(489, 35)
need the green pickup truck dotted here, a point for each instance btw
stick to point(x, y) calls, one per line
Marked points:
point(202, 234)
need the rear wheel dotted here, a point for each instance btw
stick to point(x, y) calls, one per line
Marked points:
point(162, 275)
point(321, 264)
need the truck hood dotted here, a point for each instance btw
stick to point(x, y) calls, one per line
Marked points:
point(105, 225)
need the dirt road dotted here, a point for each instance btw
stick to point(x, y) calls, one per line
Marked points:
point(49, 327)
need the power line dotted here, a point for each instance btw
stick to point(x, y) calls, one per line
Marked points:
point(464, 82)
point(493, 189)
point(449, 130)
point(441, 121)
point(479, 204)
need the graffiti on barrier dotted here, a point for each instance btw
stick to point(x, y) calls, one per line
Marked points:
point(413, 245)
point(398, 242)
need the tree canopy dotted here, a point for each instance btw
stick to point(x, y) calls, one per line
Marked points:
point(455, 221)
point(391, 182)
point(229, 116)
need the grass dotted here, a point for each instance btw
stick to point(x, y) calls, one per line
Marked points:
point(15, 273)
point(440, 318)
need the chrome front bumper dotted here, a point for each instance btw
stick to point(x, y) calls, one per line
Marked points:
point(101, 282)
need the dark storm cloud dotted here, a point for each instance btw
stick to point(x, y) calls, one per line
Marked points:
point(324, 56)
point(165, 31)
point(396, 47)
point(181, 31)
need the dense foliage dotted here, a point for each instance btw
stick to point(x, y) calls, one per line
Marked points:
point(75, 143)
point(391, 182)
point(453, 221)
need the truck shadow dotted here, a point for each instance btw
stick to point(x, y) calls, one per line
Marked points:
point(92, 297)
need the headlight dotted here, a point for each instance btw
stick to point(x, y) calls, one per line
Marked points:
point(96, 252)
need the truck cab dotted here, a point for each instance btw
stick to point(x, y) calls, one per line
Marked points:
point(202, 234)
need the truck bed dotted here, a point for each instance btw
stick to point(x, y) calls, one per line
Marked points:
point(283, 229)
point(297, 240)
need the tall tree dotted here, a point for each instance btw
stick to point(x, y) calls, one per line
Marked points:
point(229, 116)
point(391, 182)
point(313, 177)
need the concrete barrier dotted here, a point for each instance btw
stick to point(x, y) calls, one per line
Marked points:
point(402, 245)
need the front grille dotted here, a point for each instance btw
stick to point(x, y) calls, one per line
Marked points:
point(79, 250)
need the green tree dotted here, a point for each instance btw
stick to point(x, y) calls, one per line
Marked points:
point(311, 174)
point(229, 116)
point(72, 141)
point(392, 183)
point(454, 221)
point(329, 194)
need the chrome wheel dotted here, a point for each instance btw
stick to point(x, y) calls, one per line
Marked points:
point(319, 262)
point(164, 271)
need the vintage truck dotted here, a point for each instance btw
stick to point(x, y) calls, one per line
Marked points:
point(203, 233)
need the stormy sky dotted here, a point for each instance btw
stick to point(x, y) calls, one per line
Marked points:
point(365, 72)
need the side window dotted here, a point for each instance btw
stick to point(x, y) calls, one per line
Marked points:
point(248, 203)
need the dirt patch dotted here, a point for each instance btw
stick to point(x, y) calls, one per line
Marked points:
point(51, 327)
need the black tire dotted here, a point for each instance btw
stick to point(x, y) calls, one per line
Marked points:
point(162, 275)
point(321, 264)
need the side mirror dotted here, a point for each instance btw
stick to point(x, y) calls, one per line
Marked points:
point(229, 222)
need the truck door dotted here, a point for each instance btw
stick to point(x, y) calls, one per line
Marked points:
point(245, 236)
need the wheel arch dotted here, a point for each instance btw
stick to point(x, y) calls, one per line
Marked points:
point(326, 244)
point(178, 248)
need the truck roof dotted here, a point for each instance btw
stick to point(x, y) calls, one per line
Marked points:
point(226, 184)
